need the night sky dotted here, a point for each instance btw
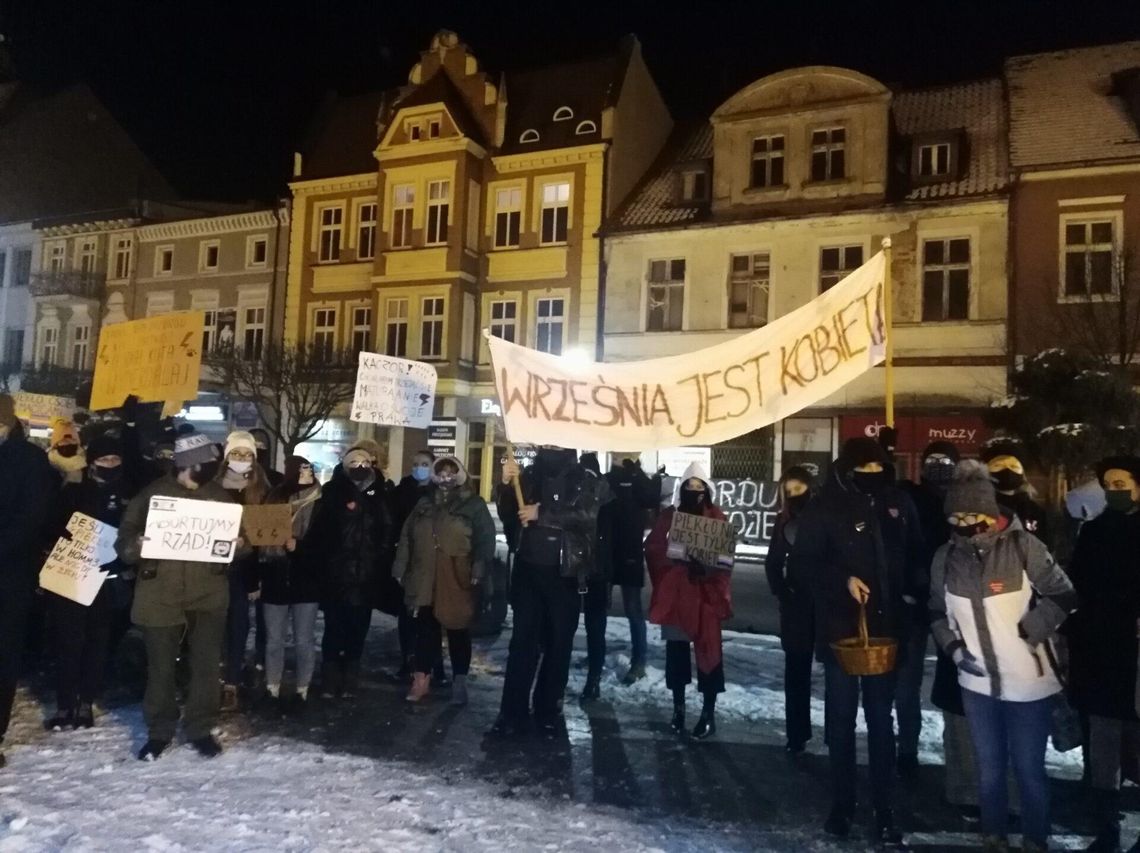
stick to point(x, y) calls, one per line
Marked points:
point(220, 93)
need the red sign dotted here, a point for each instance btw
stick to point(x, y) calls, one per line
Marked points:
point(968, 432)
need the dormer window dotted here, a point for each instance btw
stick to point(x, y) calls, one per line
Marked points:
point(768, 161)
point(529, 135)
point(416, 132)
point(829, 154)
point(585, 127)
point(563, 114)
point(433, 129)
point(695, 184)
point(935, 156)
point(934, 160)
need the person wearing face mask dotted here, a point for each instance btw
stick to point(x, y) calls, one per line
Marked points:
point(65, 453)
point(352, 533)
point(176, 599)
point(997, 599)
point(242, 476)
point(291, 585)
point(797, 630)
point(1007, 471)
point(1105, 570)
point(446, 548)
point(28, 485)
point(407, 493)
point(860, 542)
point(83, 634)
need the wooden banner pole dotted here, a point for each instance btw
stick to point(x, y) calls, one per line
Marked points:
point(888, 299)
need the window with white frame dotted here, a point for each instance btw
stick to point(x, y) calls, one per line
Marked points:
point(1089, 257)
point(80, 341)
point(946, 279)
point(828, 154)
point(324, 332)
point(331, 224)
point(56, 257)
point(768, 161)
point(434, 126)
point(257, 252)
point(529, 135)
point(504, 319)
point(438, 208)
point(665, 304)
point(253, 331)
point(164, 260)
point(49, 345)
point(362, 329)
point(122, 257)
point(695, 185)
point(431, 327)
point(934, 160)
point(208, 253)
point(508, 216)
point(209, 330)
point(366, 231)
point(550, 325)
point(748, 290)
point(563, 114)
point(555, 212)
point(836, 263)
point(403, 205)
point(87, 257)
point(415, 131)
point(585, 127)
point(396, 327)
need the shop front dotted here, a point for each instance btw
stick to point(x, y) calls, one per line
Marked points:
point(916, 431)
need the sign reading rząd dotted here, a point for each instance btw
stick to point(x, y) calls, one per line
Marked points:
point(197, 531)
point(394, 391)
point(73, 569)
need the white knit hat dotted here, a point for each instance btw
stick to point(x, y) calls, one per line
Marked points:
point(240, 439)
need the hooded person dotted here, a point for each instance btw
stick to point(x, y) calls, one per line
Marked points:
point(690, 602)
point(65, 452)
point(263, 444)
point(179, 599)
point(860, 544)
point(1105, 570)
point(28, 487)
point(997, 600)
point(797, 620)
point(1004, 460)
point(353, 536)
point(404, 497)
point(557, 549)
point(446, 549)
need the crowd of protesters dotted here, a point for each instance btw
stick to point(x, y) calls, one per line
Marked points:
point(961, 557)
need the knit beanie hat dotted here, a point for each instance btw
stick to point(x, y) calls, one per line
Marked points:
point(798, 473)
point(972, 490)
point(63, 431)
point(377, 455)
point(102, 445)
point(192, 448)
point(240, 440)
point(863, 451)
point(356, 454)
point(1002, 447)
point(1131, 464)
point(947, 448)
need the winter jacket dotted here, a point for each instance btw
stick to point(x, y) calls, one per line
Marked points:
point(695, 605)
point(253, 490)
point(845, 533)
point(166, 589)
point(293, 577)
point(796, 610)
point(352, 533)
point(1001, 596)
point(635, 494)
point(1105, 570)
point(450, 523)
point(28, 489)
point(1030, 513)
point(404, 497)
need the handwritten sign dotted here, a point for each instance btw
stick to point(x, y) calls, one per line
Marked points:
point(394, 391)
point(41, 409)
point(752, 507)
point(703, 397)
point(184, 529)
point(158, 360)
point(710, 541)
point(267, 524)
point(73, 569)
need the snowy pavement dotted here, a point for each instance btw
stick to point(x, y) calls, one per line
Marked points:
point(376, 775)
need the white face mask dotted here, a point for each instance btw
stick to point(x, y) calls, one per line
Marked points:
point(240, 467)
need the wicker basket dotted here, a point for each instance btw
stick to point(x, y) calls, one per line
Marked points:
point(864, 655)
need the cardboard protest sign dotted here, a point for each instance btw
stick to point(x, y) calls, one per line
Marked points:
point(158, 360)
point(185, 529)
point(703, 397)
point(41, 409)
point(394, 391)
point(267, 524)
point(73, 568)
point(711, 541)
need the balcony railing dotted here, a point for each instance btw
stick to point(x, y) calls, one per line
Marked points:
point(86, 285)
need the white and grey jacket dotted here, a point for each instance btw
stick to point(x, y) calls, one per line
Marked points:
point(1002, 597)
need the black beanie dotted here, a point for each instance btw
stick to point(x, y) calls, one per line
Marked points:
point(1131, 464)
point(1002, 447)
point(947, 448)
point(798, 473)
point(104, 444)
point(861, 451)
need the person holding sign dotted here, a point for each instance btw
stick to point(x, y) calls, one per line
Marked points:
point(691, 598)
point(176, 599)
point(83, 634)
point(27, 486)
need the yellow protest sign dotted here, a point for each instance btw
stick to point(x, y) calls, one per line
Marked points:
point(158, 360)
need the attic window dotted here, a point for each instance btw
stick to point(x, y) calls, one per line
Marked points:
point(433, 128)
point(934, 160)
point(695, 185)
point(563, 114)
point(530, 135)
point(585, 127)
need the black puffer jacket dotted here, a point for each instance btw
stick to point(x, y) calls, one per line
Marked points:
point(403, 499)
point(635, 495)
point(352, 533)
point(845, 533)
point(797, 616)
point(28, 488)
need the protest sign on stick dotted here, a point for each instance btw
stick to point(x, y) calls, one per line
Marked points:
point(73, 569)
point(42, 409)
point(185, 529)
point(267, 524)
point(710, 541)
point(158, 360)
point(394, 391)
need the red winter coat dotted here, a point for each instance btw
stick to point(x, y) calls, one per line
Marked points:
point(695, 607)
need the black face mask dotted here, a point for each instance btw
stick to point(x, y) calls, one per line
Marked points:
point(692, 501)
point(971, 530)
point(1007, 480)
point(869, 482)
point(205, 472)
point(106, 474)
point(938, 474)
point(554, 461)
point(67, 451)
point(796, 503)
point(359, 475)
